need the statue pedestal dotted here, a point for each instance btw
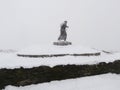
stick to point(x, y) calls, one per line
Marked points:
point(62, 43)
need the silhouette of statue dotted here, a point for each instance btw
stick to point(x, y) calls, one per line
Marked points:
point(63, 34)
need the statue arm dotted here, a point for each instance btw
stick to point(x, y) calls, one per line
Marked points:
point(67, 26)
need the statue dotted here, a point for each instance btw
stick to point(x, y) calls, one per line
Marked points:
point(63, 34)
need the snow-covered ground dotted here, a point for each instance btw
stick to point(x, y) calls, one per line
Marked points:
point(11, 60)
point(99, 82)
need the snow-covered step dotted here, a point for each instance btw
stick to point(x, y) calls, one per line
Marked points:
point(57, 51)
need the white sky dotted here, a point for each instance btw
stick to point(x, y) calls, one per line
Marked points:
point(93, 23)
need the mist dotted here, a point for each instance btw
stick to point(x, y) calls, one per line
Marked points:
point(92, 23)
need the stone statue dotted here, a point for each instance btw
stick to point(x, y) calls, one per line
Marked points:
point(63, 34)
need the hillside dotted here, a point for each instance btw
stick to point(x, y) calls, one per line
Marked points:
point(22, 71)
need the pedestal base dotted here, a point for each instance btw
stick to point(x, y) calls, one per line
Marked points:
point(62, 43)
point(59, 49)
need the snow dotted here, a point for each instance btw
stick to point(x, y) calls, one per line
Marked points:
point(53, 49)
point(99, 82)
point(12, 61)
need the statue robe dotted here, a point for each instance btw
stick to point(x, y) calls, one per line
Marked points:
point(63, 34)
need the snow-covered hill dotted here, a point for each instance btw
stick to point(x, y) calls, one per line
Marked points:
point(12, 61)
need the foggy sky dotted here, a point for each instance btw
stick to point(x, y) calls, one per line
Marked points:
point(92, 23)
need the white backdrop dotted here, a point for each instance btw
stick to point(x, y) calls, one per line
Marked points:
point(93, 23)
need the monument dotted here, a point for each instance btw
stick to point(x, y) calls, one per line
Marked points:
point(60, 48)
point(63, 36)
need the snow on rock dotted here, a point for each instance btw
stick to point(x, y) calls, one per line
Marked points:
point(53, 49)
point(99, 82)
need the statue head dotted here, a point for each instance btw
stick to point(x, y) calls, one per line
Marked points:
point(65, 22)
